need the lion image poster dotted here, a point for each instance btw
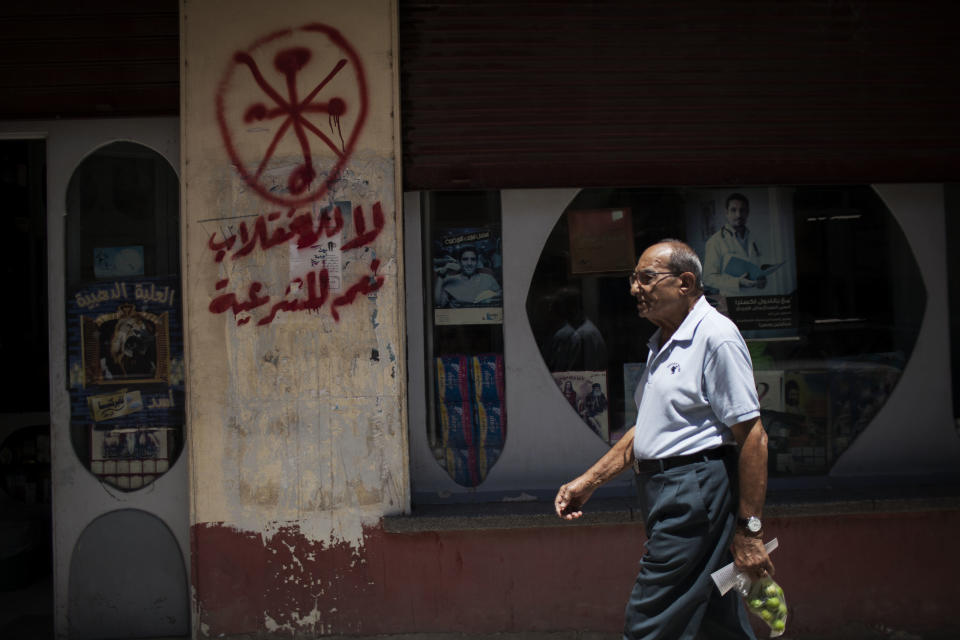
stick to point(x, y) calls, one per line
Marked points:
point(126, 345)
point(125, 353)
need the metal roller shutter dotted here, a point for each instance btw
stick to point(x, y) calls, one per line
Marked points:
point(540, 94)
point(68, 59)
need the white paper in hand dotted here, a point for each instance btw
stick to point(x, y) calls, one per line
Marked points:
point(726, 577)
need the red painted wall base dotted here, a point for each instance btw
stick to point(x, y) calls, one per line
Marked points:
point(893, 571)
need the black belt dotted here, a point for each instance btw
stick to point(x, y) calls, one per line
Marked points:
point(662, 464)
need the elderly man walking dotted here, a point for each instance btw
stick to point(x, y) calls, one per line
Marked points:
point(699, 452)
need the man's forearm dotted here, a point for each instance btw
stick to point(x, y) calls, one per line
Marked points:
point(749, 555)
point(618, 458)
point(753, 471)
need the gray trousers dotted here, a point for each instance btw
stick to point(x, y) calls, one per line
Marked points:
point(690, 516)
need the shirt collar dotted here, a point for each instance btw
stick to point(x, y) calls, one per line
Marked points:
point(733, 232)
point(684, 332)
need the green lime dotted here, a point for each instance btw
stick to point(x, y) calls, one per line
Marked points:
point(756, 604)
point(772, 603)
point(771, 590)
point(766, 615)
point(779, 624)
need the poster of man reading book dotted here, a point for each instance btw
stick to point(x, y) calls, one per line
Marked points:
point(745, 240)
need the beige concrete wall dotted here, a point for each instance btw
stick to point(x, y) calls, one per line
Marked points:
point(296, 389)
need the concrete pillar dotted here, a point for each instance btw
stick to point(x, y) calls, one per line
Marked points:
point(293, 302)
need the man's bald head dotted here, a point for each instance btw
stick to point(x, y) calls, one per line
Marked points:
point(666, 283)
point(682, 259)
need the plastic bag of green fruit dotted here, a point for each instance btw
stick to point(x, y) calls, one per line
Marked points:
point(764, 597)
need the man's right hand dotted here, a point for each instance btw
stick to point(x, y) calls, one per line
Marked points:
point(571, 497)
point(750, 556)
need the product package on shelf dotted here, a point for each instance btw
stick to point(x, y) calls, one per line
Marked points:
point(453, 378)
point(491, 425)
point(472, 414)
point(456, 424)
point(463, 465)
point(489, 397)
point(487, 371)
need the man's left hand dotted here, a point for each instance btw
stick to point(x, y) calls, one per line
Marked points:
point(750, 556)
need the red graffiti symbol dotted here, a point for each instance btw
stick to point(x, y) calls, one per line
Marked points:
point(293, 113)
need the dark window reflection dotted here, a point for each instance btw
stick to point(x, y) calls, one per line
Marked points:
point(829, 298)
point(123, 215)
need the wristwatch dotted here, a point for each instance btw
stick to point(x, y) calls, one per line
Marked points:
point(751, 524)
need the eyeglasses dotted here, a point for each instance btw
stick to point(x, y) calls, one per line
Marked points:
point(646, 277)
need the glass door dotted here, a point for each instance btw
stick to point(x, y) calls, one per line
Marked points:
point(120, 499)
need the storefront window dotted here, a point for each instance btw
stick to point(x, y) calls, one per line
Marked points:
point(463, 267)
point(125, 365)
point(825, 282)
point(820, 280)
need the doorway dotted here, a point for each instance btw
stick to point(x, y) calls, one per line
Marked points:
point(26, 574)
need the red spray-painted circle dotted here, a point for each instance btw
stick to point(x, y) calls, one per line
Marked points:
point(303, 185)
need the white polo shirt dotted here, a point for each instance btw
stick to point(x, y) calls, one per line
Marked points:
point(694, 388)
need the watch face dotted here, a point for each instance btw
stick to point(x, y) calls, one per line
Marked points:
point(753, 524)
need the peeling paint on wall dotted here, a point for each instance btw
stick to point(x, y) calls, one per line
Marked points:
point(300, 450)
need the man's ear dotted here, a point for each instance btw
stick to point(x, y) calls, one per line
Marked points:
point(687, 282)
